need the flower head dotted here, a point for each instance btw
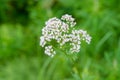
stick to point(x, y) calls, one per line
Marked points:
point(60, 31)
point(49, 51)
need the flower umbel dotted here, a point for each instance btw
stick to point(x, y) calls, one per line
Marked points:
point(61, 30)
point(49, 51)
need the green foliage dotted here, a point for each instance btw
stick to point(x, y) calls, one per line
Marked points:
point(23, 59)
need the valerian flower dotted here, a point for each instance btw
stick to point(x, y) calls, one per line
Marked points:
point(49, 51)
point(61, 30)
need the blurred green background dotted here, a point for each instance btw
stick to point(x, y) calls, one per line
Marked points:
point(21, 57)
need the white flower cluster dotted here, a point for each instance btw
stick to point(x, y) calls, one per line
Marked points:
point(59, 30)
point(49, 51)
